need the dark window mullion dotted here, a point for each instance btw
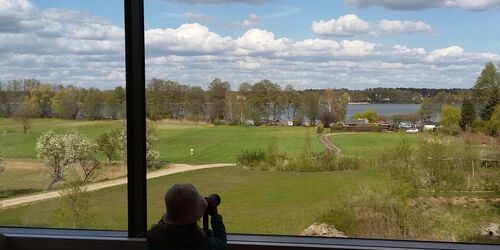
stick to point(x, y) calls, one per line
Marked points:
point(136, 117)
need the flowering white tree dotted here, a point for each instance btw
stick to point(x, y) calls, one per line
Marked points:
point(152, 141)
point(62, 150)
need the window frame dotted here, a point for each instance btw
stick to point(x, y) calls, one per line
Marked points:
point(133, 238)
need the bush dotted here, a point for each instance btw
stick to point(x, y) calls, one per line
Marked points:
point(367, 213)
point(251, 158)
point(337, 128)
point(479, 126)
point(320, 128)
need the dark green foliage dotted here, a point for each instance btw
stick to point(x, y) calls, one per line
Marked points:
point(488, 109)
point(493, 125)
point(468, 114)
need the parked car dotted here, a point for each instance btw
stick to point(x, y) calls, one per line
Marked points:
point(412, 131)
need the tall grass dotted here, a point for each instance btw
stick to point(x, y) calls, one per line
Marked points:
point(368, 213)
point(305, 161)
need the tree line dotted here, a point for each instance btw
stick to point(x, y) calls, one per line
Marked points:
point(260, 102)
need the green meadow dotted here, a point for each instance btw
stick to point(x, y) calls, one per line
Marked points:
point(371, 144)
point(252, 201)
point(211, 144)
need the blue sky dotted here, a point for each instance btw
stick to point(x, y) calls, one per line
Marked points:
point(309, 44)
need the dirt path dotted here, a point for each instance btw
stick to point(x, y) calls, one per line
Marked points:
point(330, 147)
point(171, 169)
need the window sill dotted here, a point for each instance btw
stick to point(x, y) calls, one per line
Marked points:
point(37, 238)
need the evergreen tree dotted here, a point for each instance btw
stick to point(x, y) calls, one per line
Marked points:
point(468, 114)
point(488, 109)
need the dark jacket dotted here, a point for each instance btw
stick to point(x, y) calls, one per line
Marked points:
point(164, 236)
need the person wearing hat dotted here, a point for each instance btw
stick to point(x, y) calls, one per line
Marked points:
point(178, 228)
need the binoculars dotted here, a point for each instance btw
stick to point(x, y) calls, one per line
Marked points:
point(216, 198)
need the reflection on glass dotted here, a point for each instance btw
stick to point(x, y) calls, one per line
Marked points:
point(62, 109)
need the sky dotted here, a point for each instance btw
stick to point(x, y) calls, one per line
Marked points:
point(353, 44)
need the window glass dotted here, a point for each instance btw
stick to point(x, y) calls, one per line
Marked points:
point(62, 111)
point(366, 119)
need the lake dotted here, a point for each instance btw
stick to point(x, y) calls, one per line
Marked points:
point(383, 109)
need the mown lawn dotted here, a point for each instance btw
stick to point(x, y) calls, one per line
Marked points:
point(18, 145)
point(371, 144)
point(253, 201)
point(211, 144)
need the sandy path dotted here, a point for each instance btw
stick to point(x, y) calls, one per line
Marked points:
point(171, 169)
point(329, 144)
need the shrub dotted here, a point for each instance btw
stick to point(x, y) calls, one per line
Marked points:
point(337, 128)
point(493, 125)
point(251, 158)
point(320, 128)
point(367, 213)
point(274, 158)
point(478, 125)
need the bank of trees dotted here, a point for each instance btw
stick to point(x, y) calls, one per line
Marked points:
point(262, 102)
point(25, 99)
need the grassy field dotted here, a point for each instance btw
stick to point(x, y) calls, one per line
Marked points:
point(253, 201)
point(211, 144)
point(24, 174)
point(370, 144)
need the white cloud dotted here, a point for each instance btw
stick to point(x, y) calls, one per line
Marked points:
point(187, 39)
point(69, 47)
point(347, 25)
point(259, 41)
point(401, 27)
point(475, 5)
point(351, 25)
